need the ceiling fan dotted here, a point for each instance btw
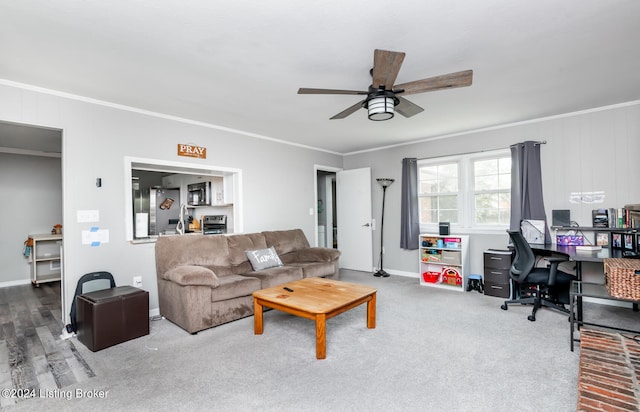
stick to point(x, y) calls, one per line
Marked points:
point(383, 96)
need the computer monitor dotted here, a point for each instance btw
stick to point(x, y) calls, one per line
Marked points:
point(561, 217)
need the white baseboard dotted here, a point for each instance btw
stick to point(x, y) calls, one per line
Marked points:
point(15, 283)
point(66, 335)
point(398, 273)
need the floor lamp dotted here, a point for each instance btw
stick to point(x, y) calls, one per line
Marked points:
point(385, 183)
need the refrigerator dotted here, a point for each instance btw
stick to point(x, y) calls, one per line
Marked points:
point(164, 211)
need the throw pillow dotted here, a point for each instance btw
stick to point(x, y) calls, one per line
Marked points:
point(263, 258)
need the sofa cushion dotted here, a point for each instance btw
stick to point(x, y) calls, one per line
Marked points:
point(277, 275)
point(318, 254)
point(240, 269)
point(233, 286)
point(263, 258)
point(239, 244)
point(316, 269)
point(286, 241)
point(190, 275)
point(200, 250)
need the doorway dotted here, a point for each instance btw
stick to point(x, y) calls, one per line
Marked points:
point(346, 196)
point(31, 176)
point(326, 225)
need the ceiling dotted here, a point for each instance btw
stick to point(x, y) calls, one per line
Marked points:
point(238, 65)
point(32, 140)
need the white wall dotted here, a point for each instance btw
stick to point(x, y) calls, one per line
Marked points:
point(590, 151)
point(585, 152)
point(31, 202)
point(278, 179)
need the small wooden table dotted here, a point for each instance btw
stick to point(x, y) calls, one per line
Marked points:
point(317, 299)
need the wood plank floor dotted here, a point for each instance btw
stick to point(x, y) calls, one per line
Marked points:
point(32, 354)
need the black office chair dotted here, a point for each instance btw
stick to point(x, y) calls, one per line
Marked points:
point(548, 286)
point(89, 283)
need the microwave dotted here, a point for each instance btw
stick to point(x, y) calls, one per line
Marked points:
point(199, 194)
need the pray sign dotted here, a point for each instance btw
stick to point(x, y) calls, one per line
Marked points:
point(192, 151)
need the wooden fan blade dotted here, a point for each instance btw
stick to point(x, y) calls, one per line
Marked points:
point(406, 108)
point(445, 81)
point(386, 65)
point(303, 90)
point(348, 111)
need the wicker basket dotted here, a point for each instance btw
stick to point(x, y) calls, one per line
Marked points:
point(621, 278)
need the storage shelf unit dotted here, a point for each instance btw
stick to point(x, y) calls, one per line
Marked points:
point(595, 229)
point(608, 230)
point(45, 258)
point(444, 261)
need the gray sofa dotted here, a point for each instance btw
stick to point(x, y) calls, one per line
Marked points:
point(205, 281)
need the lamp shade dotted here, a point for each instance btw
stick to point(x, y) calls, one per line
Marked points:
point(385, 182)
point(381, 108)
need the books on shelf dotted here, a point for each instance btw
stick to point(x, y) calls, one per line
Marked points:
point(632, 216)
point(600, 217)
point(627, 217)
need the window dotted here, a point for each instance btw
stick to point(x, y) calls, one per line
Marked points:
point(492, 191)
point(176, 176)
point(438, 194)
point(469, 191)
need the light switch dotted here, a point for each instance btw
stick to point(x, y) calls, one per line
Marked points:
point(85, 216)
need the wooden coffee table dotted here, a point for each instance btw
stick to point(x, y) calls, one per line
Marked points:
point(317, 299)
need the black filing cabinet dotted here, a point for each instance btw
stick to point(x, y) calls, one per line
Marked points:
point(111, 316)
point(496, 273)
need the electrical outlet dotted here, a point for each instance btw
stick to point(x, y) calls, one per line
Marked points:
point(137, 282)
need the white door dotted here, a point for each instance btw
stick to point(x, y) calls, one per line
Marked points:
point(353, 204)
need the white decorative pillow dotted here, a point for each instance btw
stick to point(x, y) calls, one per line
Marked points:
point(263, 258)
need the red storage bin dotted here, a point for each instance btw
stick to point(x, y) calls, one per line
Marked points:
point(431, 277)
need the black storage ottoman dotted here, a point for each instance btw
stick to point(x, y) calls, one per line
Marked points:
point(111, 316)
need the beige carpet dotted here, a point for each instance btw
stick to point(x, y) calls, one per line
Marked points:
point(431, 350)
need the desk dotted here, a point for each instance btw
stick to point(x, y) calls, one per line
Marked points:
point(577, 256)
point(593, 290)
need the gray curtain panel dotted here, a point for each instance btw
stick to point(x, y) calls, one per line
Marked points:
point(526, 185)
point(409, 218)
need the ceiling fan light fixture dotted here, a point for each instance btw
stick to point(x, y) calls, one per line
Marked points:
point(381, 108)
point(381, 96)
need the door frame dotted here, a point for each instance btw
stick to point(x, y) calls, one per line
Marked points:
point(314, 215)
point(316, 169)
point(63, 190)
